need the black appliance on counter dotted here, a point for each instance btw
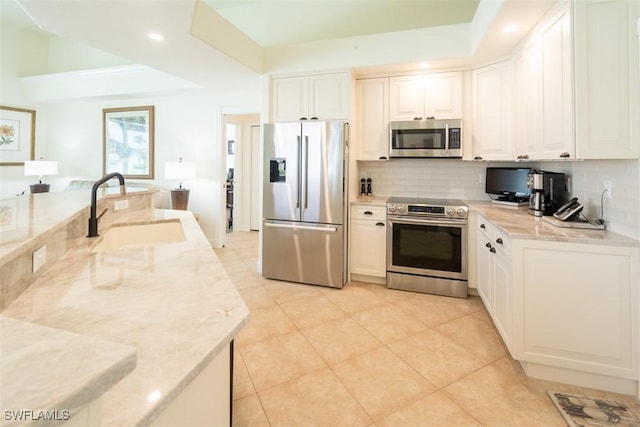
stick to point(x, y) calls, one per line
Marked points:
point(548, 192)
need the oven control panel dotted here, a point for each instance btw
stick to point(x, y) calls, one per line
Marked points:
point(437, 210)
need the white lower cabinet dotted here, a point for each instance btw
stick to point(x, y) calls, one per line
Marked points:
point(494, 276)
point(576, 313)
point(568, 312)
point(369, 241)
point(485, 263)
point(206, 401)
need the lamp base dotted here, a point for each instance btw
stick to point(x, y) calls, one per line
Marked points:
point(40, 188)
point(179, 198)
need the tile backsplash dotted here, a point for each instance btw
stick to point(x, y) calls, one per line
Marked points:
point(455, 179)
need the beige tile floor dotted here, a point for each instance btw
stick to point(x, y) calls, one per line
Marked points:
point(365, 355)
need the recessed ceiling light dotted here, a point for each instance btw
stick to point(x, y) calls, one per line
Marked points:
point(509, 28)
point(156, 37)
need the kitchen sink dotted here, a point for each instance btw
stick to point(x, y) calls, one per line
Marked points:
point(139, 234)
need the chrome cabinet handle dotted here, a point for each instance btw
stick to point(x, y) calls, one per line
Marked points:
point(380, 224)
point(477, 158)
point(499, 240)
point(488, 245)
point(383, 158)
point(303, 118)
point(368, 213)
point(492, 250)
point(483, 226)
point(565, 155)
point(417, 118)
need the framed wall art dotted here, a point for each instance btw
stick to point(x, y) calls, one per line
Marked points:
point(128, 141)
point(17, 135)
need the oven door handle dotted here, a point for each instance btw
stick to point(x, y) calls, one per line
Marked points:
point(427, 221)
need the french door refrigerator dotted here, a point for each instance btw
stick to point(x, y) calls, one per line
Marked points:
point(304, 202)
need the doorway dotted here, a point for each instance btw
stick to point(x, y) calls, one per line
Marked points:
point(242, 171)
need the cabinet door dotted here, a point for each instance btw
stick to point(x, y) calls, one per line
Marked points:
point(289, 99)
point(330, 95)
point(576, 306)
point(373, 119)
point(528, 103)
point(606, 79)
point(443, 96)
point(368, 247)
point(484, 270)
point(492, 87)
point(557, 100)
point(406, 98)
point(502, 297)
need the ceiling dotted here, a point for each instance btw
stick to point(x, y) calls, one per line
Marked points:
point(274, 23)
point(121, 28)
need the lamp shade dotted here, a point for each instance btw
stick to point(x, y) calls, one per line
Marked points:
point(179, 170)
point(40, 167)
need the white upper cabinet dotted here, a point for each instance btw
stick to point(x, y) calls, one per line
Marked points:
point(372, 137)
point(289, 98)
point(557, 101)
point(607, 78)
point(417, 97)
point(579, 101)
point(406, 98)
point(492, 112)
point(543, 103)
point(321, 97)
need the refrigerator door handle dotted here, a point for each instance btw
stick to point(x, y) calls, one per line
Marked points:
point(302, 227)
point(298, 192)
point(306, 171)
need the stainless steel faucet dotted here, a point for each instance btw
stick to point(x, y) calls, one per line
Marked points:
point(93, 219)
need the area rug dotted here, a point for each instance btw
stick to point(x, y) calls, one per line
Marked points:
point(586, 411)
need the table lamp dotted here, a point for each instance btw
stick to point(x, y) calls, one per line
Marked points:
point(179, 170)
point(40, 168)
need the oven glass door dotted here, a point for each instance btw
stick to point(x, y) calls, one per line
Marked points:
point(425, 247)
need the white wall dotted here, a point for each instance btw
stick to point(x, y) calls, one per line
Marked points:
point(187, 125)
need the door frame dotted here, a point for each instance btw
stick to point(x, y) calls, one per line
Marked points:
point(242, 165)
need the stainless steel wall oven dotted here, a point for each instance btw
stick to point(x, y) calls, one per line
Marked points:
point(427, 246)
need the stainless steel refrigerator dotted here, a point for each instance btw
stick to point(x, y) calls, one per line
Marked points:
point(304, 200)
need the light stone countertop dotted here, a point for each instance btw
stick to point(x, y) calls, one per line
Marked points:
point(27, 217)
point(519, 224)
point(172, 302)
point(370, 201)
point(45, 369)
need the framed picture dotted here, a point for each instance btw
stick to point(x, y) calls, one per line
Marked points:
point(127, 147)
point(17, 136)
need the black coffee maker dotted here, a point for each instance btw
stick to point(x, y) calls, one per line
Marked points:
point(548, 192)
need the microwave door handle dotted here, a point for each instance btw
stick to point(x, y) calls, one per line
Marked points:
point(446, 137)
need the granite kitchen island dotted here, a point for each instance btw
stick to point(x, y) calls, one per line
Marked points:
point(172, 304)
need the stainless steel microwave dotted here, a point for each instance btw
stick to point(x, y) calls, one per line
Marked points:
point(426, 138)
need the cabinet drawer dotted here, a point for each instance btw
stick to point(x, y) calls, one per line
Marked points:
point(378, 213)
point(485, 228)
point(501, 240)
